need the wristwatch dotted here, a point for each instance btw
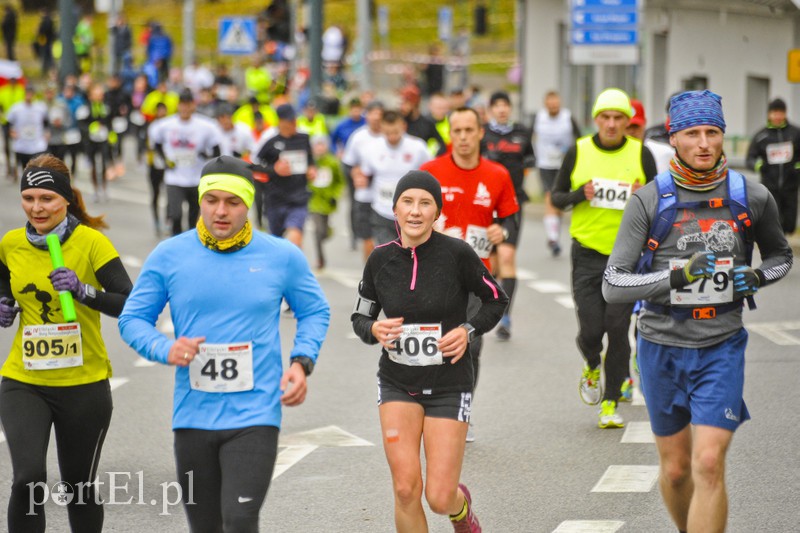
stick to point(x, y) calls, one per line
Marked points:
point(470, 331)
point(306, 362)
point(91, 292)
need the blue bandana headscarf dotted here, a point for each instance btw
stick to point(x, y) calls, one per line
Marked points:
point(695, 108)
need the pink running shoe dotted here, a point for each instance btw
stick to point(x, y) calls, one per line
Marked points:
point(468, 524)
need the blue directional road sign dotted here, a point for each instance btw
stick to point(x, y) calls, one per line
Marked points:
point(604, 31)
point(237, 36)
point(600, 36)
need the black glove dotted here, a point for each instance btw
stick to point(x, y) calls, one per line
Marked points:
point(745, 281)
point(700, 265)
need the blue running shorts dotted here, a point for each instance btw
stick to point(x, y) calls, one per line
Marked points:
point(701, 386)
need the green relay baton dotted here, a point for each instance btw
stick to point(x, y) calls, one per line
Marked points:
point(67, 304)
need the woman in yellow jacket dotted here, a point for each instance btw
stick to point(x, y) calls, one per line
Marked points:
point(56, 374)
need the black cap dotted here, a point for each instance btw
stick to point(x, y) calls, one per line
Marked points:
point(419, 179)
point(226, 164)
point(186, 96)
point(777, 105)
point(286, 112)
point(499, 95)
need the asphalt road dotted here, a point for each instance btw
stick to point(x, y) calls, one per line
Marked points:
point(538, 461)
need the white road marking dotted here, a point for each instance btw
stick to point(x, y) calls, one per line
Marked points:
point(526, 275)
point(777, 332)
point(565, 301)
point(589, 526)
point(2, 437)
point(141, 362)
point(290, 456)
point(116, 383)
point(546, 286)
point(627, 478)
point(299, 445)
point(638, 433)
point(352, 335)
point(131, 261)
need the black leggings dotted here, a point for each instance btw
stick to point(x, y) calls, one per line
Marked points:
point(176, 195)
point(81, 415)
point(230, 474)
point(597, 318)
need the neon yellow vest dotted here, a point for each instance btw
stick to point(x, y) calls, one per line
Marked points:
point(315, 126)
point(443, 127)
point(595, 227)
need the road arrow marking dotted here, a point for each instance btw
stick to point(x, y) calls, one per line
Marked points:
point(776, 332)
point(116, 383)
point(299, 445)
point(589, 526)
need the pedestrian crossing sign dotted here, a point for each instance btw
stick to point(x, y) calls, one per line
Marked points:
point(237, 35)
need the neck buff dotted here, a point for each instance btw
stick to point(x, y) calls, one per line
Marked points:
point(232, 244)
point(502, 129)
point(63, 229)
point(696, 180)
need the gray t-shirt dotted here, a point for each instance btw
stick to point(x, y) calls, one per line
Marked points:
point(693, 231)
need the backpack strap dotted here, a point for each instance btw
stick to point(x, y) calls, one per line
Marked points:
point(662, 222)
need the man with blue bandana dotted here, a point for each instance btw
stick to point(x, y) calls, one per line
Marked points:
point(693, 276)
point(224, 284)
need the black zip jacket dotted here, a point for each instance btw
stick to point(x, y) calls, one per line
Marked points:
point(426, 285)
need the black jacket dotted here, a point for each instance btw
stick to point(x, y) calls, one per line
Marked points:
point(776, 176)
point(513, 150)
point(424, 285)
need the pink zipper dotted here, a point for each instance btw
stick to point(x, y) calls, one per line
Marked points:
point(414, 273)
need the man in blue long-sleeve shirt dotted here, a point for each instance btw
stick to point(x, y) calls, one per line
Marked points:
point(224, 284)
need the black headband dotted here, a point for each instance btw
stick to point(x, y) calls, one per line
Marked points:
point(46, 178)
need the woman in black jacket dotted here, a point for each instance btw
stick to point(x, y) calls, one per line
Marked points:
point(422, 282)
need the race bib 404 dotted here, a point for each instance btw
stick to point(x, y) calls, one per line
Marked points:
point(222, 368)
point(715, 290)
point(52, 346)
point(418, 345)
point(610, 194)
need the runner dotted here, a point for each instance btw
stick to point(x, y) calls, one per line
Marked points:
point(95, 120)
point(325, 192)
point(775, 154)
point(184, 141)
point(509, 144)
point(56, 374)
point(596, 179)
point(28, 122)
point(224, 297)
point(694, 273)
point(421, 281)
point(286, 157)
point(385, 163)
point(555, 131)
point(662, 152)
point(155, 171)
point(355, 152)
point(480, 206)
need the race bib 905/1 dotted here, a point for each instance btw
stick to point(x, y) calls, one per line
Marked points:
point(51, 346)
point(715, 290)
point(418, 345)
